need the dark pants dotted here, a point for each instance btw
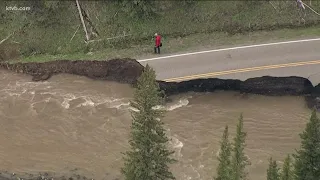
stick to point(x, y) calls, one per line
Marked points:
point(157, 48)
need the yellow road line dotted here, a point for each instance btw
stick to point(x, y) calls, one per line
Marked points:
point(242, 70)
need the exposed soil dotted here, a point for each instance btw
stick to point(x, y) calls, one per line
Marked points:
point(200, 85)
point(274, 86)
point(128, 71)
point(265, 85)
point(120, 70)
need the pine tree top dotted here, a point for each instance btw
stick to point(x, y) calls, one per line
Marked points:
point(149, 157)
point(287, 173)
point(273, 170)
point(307, 159)
point(224, 171)
point(239, 159)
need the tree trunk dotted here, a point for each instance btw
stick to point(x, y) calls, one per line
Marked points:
point(83, 24)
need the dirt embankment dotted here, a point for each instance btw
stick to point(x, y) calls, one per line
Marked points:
point(120, 70)
point(266, 85)
point(128, 71)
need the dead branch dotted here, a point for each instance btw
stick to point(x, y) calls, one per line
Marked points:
point(125, 35)
point(115, 14)
point(87, 18)
point(311, 9)
point(20, 29)
point(5, 39)
point(82, 21)
point(16, 42)
point(272, 5)
point(74, 33)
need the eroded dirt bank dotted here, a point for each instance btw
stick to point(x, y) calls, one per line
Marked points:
point(265, 85)
point(48, 128)
point(128, 70)
point(120, 70)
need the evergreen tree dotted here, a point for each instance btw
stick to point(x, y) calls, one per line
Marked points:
point(224, 167)
point(287, 173)
point(307, 159)
point(239, 159)
point(148, 158)
point(273, 170)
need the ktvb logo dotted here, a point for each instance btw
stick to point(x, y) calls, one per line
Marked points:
point(15, 8)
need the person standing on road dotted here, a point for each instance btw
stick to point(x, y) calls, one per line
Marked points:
point(158, 43)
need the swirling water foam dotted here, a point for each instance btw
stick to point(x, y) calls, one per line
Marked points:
point(72, 122)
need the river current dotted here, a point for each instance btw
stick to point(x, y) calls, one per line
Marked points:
point(71, 122)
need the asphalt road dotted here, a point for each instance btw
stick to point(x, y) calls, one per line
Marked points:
point(299, 58)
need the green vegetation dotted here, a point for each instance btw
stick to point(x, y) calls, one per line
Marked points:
point(126, 28)
point(239, 159)
point(232, 159)
point(273, 170)
point(224, 171)
point(307, 159)
point(117, 28)
point(287, 173)
point(193, 42)
point(148, 157)
point(305, 167)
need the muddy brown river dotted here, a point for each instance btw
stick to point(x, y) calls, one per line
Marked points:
point(75, 123)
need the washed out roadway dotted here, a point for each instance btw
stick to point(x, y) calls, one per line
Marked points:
point(298, 58)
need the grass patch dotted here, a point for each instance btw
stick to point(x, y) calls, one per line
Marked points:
point(195, 42)
point(184, 25)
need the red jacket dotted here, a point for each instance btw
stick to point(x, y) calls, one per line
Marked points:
point(158, 40)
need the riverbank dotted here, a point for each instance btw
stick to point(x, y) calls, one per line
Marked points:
point(73, 122)
point(45, 135)
point(128, 71)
